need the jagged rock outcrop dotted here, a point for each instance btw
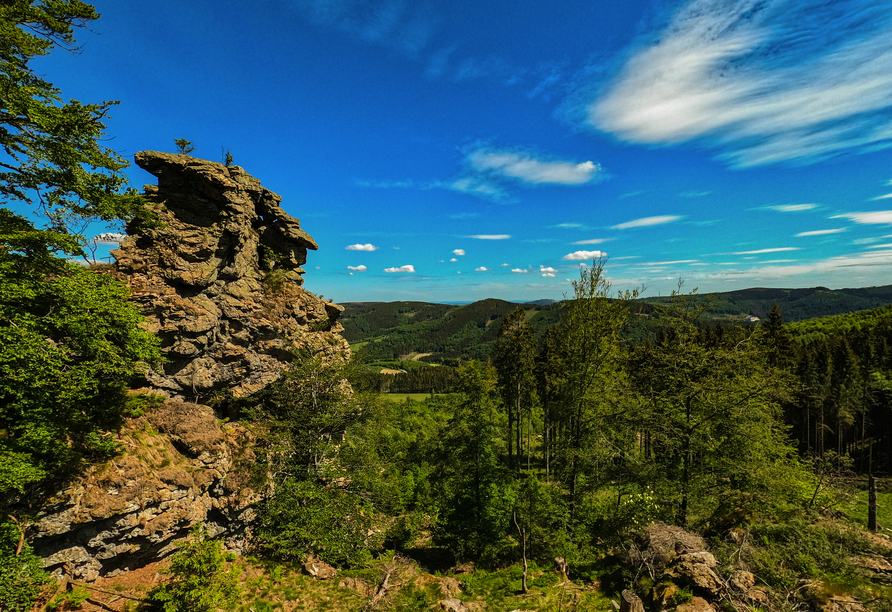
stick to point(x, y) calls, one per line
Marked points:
point(219, 277)
point(179, 468)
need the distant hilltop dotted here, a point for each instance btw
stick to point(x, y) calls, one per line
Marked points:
point(441, 332)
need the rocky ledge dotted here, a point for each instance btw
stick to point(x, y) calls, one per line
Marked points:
point(218, 275)
point(179, 468)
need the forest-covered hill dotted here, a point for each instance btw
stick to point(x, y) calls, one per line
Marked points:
point(394, 330)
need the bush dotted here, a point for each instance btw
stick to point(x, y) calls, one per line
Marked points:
point(22, 578)
point(199, 582)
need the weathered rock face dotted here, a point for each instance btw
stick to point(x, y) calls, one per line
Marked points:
point(179, 468)
point(219, 279)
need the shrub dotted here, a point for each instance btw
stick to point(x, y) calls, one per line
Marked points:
point(199, 582)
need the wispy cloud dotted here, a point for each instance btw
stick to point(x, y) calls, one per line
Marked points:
point(882, 197)
point(491, 236)
point(630, 194)
point(475, 186)
point(357, 268)
point(821, 232)
point(458, 252)
point(790, 207)
point(466, 215)
point(530, 168)
point(392, 23)
point(583, 255)
point(593, 241)
point(569, 225)
point(763, 81)
point(361, 247)
point(406, 268)
point(694, 194)
point(878, 217)
point(520, 271)
point(648, 221)
point(761, 251)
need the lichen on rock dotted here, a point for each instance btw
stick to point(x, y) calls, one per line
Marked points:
point(218, 276)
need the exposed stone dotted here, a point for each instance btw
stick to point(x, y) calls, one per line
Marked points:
point(692, 572)
point(134, 508)
point(320, 570)
point(630, 602)
point(696, 604)
point(452, 604)
point(742, 580)
point(219, 278)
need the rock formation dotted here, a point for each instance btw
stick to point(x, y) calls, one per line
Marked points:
point(218, 275)
point(179, 468)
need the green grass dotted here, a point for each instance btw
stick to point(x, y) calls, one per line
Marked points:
point(402, 397)
point(855, 508)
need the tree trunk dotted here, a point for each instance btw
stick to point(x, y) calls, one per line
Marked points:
point(872, 504)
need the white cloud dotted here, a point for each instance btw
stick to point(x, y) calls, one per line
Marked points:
point(476, 186)
point(568, 225)
point(362, 247)
point(882, 197)
point(480, 269)
point(581, 255)
point(760, 251)
point(791, 207)
point(506, 265)
point(821, 232)
point(109, 238)
point(357, 268)
point(764, 81)
point(453, 259)
point(879, 217)
point(547, 269)
point(520, 271)
point(880, 246)
point(548, 274)
point(407, 268)
point(491, 236)
point(459, 252)
point(525, 167)
point(593, 241)
point(668, 263)
point(648, 221)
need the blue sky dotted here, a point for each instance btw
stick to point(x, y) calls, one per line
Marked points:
point(463, 150)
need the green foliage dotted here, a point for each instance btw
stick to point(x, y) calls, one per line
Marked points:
point(307, 518)
point(184, 146)
point(52, 154)
point(22, 578)
point(477, 492)
point(69, 345)
point(199, 580)
point(72, 599)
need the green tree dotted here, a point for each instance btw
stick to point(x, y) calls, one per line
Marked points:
point(52, 157)
point(713, 411)
point(514, 356)
point(593, 387)
point(199, 579)
point(477, 492)
point(22, 578)
point(184, 146)
point(70, 343)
